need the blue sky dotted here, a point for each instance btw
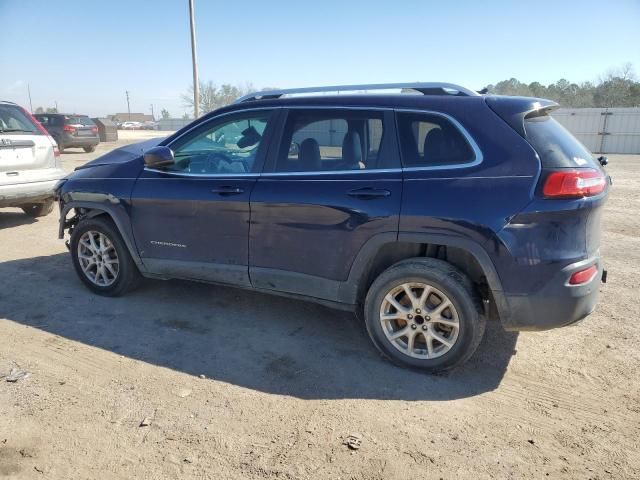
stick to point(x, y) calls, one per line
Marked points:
point(85, 54)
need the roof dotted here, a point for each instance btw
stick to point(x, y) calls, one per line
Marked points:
point(400, 100)
point(512, 109)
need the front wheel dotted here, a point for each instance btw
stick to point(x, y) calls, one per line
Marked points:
point(101, 258)
point(424, 313)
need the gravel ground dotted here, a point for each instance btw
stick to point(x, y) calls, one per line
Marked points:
point(234, 384)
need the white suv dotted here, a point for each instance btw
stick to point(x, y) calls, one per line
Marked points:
point(29, 162)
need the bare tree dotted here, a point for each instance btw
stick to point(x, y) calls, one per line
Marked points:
point(212, 96)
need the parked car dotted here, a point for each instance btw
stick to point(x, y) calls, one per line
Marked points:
point(129, 125)
point(148, 125)
point(29, 162)
point(428, 214)
point(71, 130)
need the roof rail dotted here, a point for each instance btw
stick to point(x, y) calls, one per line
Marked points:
point(426, 88)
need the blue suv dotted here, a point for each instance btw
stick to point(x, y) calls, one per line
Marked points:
point(427, 213)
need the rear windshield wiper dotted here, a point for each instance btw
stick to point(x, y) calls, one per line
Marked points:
point(5, 130)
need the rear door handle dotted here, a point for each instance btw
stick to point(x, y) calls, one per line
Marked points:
point(369, 193)
point(227, 190)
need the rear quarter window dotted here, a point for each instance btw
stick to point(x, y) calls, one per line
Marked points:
point(428, 140)
point(556, 147)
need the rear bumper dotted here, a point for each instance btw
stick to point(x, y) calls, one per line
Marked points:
point(557, 304)
point(24, 193)
point(71, 141)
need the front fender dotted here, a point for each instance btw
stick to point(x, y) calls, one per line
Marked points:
point(101, 204)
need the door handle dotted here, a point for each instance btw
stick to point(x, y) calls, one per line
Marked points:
point(227, 190)
point(369, 193)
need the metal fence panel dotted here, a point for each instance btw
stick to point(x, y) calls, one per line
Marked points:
point(603, 130)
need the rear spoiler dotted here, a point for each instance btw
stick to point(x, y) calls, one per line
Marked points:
point(514, 110)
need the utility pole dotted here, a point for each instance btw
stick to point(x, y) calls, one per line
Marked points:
point(128, 107)
point(56, 102)
point(152, 114)
point(29, 92)
point(194, 60)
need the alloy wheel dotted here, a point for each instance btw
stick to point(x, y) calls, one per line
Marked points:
point(98, 258)
point(419, 320)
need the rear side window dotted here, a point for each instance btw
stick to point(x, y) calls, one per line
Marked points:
point(331, 140)
point(14, 120)
point(428, 140)
point(43, 119)
point(556, 147)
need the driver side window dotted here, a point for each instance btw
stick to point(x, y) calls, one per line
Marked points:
point(228, 146)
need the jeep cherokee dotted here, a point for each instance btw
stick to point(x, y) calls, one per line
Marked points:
point(428, 213)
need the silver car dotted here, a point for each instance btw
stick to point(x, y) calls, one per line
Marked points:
point(29, 162)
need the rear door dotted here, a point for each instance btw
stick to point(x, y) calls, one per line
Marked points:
point(24, 146)
point(332, 185)
point(191, 220)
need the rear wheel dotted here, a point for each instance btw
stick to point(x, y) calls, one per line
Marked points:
point(90, 149)
point(101, 258)
point(424, 313)
point(60, 145)
point(38, 209)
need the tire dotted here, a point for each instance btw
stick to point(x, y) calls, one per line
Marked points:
point(38, 209)
point(460, 335)
point(126, 276)
point(90, 149)
point(60, 145)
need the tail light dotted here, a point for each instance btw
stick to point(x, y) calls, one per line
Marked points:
point(583, 276)
point(94, 129)
point(56, 150)
point(574, 183)
point(69, 128)
point(35, 122)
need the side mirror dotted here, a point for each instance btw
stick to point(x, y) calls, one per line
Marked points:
point(158, 157)
point(603, 160)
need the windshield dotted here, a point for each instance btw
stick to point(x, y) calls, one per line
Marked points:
point(556, 147)
point(14, 120)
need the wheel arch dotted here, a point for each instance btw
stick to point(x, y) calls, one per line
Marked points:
point(382, 251)
point(110, 207)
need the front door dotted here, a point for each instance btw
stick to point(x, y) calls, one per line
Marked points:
point(191, 220)
point(333, 184)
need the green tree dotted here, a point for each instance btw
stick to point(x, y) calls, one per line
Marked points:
point(616, 88)
point(164, 114)
point(39, 110)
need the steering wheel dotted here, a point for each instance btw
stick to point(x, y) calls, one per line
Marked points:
point(215, 159)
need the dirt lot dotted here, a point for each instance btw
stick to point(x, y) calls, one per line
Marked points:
point(285, 382)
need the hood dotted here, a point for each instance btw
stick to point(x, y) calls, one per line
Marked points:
point(123, 154)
